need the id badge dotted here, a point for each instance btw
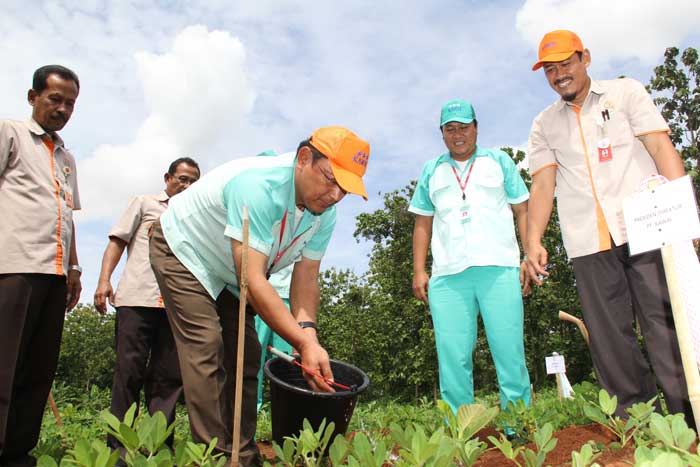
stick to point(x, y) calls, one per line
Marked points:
point(465, 214)
point(604, 150)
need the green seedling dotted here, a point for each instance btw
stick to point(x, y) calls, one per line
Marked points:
point(584, 457)
point(603, 413)
point(544, 444)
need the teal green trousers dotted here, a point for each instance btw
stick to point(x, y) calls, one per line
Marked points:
point(267, 337)
point(455, 300)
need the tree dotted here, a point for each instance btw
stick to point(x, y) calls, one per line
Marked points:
point(87, 349)
point(678, 95)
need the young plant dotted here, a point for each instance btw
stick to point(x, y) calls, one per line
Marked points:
point(417, 449)
point(518, 420)
point(670, 439)
point(308, 448)
point(544, 444)
point(584, 457)
point(603, 413)
point(468, 421)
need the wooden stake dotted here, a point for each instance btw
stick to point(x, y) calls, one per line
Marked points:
point(59, 422)
point(243, 287)
point(690, 366)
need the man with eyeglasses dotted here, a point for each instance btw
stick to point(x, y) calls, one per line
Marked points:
point(595, 145)
point(196, 251)
point(145, 350)
point(464, 203)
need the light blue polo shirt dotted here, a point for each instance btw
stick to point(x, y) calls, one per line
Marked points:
point(201, 221)
point(478, 231)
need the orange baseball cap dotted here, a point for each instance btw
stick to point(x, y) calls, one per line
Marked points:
point(558, 45)
point(348, 155)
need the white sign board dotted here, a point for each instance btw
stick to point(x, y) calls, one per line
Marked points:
point(661, 216)
point(555, 364)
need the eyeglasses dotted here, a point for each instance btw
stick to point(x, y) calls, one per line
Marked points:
point(185, 180)
point(330, 179)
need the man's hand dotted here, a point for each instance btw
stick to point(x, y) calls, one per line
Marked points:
point(536, 261)
point(420, 286)
point(525, 279)
point(73, 289)
point(315, 358)
point(103, 293)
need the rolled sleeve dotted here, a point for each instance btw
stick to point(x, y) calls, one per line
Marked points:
point(539, 154)
point(129, 222)
point(513, 184)
point(421, 203)
point(643, 115)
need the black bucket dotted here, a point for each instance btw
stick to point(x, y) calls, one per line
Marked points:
point(292, 401)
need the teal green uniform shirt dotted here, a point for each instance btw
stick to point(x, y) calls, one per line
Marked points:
point(201, 221)
point(478, 230)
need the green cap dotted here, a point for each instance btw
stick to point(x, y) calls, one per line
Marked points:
point(457, 111)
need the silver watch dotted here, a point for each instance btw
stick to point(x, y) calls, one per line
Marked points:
point(75, 267)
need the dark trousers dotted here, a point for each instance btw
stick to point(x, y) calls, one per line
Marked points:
point(140, 333)
point(206, 335)
point(615, 290)
point(32, 309)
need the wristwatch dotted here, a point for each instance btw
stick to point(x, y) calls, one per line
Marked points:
point(76, 267)
point(308, 324)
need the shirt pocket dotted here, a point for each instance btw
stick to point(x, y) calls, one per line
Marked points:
point(488, 188)
point(446, 222)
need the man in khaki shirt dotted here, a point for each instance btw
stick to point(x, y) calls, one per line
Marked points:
point(595, 146)
point(39, 271)
point(146, 354)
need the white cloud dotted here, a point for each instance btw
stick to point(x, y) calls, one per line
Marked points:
point(617, 30)
point(195, 92)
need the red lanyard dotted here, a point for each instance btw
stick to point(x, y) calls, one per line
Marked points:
point(466, 180)
point(283, 251)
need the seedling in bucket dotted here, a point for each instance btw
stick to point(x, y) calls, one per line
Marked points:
point(295, 361)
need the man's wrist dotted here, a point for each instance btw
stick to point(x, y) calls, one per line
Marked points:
point(75, 267)
point(308, 324)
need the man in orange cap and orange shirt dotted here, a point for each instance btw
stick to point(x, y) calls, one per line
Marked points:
point(596, 145)
point(196, 250)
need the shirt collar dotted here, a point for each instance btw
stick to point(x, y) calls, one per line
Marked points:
point(162, 196)
point(306, 220)
point(597, 87)
point(35, 128)
point(447, 158)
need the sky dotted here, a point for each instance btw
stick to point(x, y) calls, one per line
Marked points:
point(219, 80)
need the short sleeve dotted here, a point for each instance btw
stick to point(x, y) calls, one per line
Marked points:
point(420, 202)
point(642, 114)
point(76, 194)
point(6, 145)
point(129, 222)
point(539, 154)
point(241, 191)
point(513, 184)
point(318, 243)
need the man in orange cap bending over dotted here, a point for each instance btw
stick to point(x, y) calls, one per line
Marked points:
point(596, 144)
point(196, 251)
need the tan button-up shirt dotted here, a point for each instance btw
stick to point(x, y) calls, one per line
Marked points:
point(591, 182)
point(38, 194)
point(137, 285)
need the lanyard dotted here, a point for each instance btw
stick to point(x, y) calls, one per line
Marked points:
point(466, 180)
point(281, 252)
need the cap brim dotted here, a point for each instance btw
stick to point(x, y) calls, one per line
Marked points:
point(457, 119)
point(348, 181)
point(553, 58)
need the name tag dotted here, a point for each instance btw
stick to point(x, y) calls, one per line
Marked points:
point(604, 150)
point(465, 214)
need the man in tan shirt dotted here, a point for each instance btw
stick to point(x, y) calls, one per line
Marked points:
point(146, 354)
point(595, 146)
point(39, 271)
